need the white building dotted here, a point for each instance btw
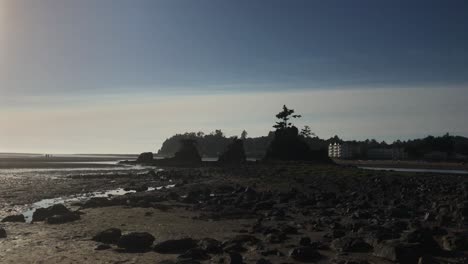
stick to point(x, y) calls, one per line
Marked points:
point(342, 151)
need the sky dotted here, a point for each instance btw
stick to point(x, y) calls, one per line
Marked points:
point(120, 76)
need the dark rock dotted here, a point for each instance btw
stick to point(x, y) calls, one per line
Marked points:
point(305, 241)
point(175, 246)
point(63, 218)
point(305, 254)
point(3, 233)
point(195, 254)
point(288, 145)
point(210, 245)
point(145, 157)
point(424, 237)
point(263, 261)
point(235, 258)
point(109, 236)
point(401, 252)
point(42, 214)
point(99, 202)
point(14, 218)
point(455, 242)
point(276, 238)
point(102, 247)
point(137, 241)
point(350, 244)
point(272, 252)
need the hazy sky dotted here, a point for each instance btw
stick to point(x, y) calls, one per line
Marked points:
point(122, 75)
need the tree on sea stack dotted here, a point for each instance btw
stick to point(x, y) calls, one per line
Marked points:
point(288, 145)
point(284, 117)
point(306, 132)
point(145, 157)
point(234, 152)
point(188, 152)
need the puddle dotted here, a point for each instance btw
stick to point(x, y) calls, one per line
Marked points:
point(80, 198)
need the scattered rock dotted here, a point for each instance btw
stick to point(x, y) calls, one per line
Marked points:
point(455, 242)
point(210, 245)
point(102, 247)
point(395, 250)
point(195, 254)
point(136, 241)
point(62, 218)
point(304, 254)
point(109, 236)
point(235, 258)
point(42, 214)
point(175, 246)
point(14, 218)
point(350, 244)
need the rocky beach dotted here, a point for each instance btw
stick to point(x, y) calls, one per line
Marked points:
point(283, 212)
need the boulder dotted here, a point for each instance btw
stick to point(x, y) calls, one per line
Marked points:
point(398, 251)
point(235, 258)
point(194, 254)
point(42, 214)
point(263, 261)
point(63, 218)
point(145, 157)
point(175, 246)
point(455, 242)
point(102, 247)
point(14, 218)
point(108, 236)
point(350, 244)
point(210, 245)
point(136, 241)
point(304, 254)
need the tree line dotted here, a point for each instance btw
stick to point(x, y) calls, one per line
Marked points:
point(214, 143)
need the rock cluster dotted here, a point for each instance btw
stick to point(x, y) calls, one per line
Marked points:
point(56, 214)
point(348, 218)
point(145, 157)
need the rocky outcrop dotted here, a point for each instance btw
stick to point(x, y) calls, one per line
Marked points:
point(234, 153)
point(187, 155)
point(288, 146)
point(145, 157)
point(58, 214)
point(188, 152)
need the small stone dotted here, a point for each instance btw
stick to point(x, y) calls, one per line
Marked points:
point(3, 233)
point(102, 247)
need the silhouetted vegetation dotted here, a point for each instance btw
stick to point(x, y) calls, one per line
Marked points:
point(234, 153)
point(288, 144)
point(445, 147)
point(188, 152)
